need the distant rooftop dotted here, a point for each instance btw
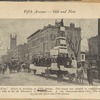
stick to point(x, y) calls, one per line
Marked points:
point(72, 25)
point(34, 33)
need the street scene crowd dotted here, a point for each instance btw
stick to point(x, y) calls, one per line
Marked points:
point(80, 74)
point(54, 51)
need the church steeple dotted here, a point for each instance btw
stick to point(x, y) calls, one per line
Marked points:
point(13, 41)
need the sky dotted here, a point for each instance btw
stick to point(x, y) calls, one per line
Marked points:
point(25, 27)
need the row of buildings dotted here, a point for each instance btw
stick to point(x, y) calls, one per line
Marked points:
point(43, 40)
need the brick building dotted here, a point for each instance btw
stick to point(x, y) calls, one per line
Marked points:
point(43, 40)
point(94, 45)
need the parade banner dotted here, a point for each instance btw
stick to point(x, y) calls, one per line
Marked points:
point(26, 31)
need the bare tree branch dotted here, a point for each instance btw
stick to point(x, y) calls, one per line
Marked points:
point(74, 44)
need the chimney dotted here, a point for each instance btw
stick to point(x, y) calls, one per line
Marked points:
point(62, 23)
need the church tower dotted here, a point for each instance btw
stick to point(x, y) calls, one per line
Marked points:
point(13, 42)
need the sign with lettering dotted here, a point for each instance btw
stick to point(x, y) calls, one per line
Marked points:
point(54, 52)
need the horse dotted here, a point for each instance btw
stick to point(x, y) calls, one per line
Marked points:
point(71, 76)
point(25, 67)
point(14, 67)
point(3, 68)
point(80, 75)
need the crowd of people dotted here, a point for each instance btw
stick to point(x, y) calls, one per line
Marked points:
point(46, 61)
point(42, 61)
point(62, 59)
point(67, 62)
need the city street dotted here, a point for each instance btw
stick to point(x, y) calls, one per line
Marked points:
point(29, 79)
point(51, 43)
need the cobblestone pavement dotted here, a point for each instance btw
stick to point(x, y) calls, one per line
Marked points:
point(29, 79)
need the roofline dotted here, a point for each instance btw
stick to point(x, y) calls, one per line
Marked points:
point(41, 30)
point(51, 26)
point(34, 33)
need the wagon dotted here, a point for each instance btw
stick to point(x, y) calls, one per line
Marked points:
point(70, 73)
point(66, 72)
point(37, 69)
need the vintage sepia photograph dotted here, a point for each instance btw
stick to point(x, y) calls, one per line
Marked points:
point(49, 52)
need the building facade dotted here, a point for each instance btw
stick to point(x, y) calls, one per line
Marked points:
point(94, 46)
point(43, 40)
point(94, 50)
point(20, 52)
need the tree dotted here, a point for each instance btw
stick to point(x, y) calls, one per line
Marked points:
point(74, 44)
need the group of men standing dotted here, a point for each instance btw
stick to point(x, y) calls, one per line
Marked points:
point(42, 61)
point(62, 59)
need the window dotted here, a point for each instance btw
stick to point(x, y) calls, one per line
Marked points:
point(82, 57)
point(52, 37)
point(41, 39)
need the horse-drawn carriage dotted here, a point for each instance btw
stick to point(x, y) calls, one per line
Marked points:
point(72, 74)
point(59, 58)
point(14, 66)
